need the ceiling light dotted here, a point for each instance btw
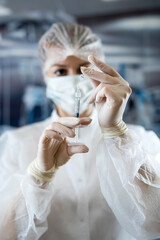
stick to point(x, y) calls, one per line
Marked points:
point(4, 11)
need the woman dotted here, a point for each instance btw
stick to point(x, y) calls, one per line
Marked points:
point(105, 187)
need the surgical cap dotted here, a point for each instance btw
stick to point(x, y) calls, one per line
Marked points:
point(70, 39)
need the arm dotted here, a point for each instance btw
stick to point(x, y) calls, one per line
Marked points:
point(26, 213)
point(24, 201)
point(129, 175)
point(24, 204)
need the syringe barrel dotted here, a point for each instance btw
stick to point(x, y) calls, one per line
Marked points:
point(77, 107)
point(77, 101)
point(78, 93)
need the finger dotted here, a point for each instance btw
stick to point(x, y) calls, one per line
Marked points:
point(120, 89)
point(92, 98)
point(116, 93)
point(99, 76)
point(103, 66)
point(94, 82)
point(73, 122)
point(125, 89)
point(59, 128)
point(77, 149)
point(50, 134)
point(106, 92)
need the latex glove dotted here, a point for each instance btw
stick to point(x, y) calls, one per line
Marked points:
point(111, 92)
point(53, 149)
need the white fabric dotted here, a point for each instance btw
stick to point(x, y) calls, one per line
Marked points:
point(94, 196)
point(61, 90)
point(70, 39)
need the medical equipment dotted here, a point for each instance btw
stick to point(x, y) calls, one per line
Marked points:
point(77, 110)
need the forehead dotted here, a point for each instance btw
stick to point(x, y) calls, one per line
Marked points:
point(72, 61)
point(56, 56)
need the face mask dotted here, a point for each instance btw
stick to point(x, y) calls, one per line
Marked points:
point(61, 90)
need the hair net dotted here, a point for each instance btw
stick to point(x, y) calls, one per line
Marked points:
point(70, 39)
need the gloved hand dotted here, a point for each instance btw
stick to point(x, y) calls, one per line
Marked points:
point(111, 92)
point(53, 149)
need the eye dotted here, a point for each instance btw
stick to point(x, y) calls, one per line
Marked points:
point(61, 72)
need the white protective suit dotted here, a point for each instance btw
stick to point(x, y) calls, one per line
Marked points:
point(110, 193)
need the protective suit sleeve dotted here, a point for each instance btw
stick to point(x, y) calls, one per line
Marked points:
point(129, 174)
point(24, 204)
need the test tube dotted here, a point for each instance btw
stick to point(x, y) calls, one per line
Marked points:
point(77, 110)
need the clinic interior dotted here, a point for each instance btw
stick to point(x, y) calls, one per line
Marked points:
point(130, 32)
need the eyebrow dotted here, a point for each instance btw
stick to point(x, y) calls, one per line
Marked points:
point(58, 65)
point(61, 65)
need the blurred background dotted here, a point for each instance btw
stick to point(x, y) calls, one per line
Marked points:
point(130, 32)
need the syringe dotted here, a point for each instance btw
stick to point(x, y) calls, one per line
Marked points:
point(77, 110)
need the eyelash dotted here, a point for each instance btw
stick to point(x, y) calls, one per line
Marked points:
point(62, 72)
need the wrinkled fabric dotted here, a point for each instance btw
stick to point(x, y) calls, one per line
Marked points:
point(71, 39)
point(110, 193)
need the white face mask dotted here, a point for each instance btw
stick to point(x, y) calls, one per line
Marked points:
point(61, 90)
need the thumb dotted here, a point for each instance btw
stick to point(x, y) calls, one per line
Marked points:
point(72, 149)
